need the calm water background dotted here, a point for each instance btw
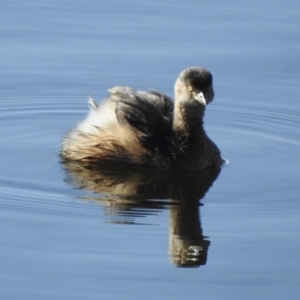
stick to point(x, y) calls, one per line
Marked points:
point(62, 242)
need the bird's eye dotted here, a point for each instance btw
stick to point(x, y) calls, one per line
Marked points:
point(189, 88)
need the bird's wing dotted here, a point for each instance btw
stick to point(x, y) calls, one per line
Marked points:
point(149, 114)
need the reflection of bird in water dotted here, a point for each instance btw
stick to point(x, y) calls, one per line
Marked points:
point(187, 245)
point(131, 194)
point(148, 129)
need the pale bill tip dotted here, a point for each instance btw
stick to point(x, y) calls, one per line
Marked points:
point(200, 97)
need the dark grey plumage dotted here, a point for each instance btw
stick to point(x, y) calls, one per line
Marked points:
point(148, 129)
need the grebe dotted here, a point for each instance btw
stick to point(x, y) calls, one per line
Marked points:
point(148, 129)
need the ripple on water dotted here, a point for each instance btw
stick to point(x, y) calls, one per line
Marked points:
point(248, 137)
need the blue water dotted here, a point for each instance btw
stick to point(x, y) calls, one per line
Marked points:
point(76, 235)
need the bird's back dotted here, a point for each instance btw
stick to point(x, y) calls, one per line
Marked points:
point(130, 127)
point(148, 114)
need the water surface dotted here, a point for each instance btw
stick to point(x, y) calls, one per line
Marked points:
point(228, 234)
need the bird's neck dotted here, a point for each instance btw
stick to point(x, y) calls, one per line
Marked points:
point(187, 117)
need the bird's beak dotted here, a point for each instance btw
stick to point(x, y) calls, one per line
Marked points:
point(200, 98)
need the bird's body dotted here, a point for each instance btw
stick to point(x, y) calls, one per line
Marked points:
point(148, 129)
